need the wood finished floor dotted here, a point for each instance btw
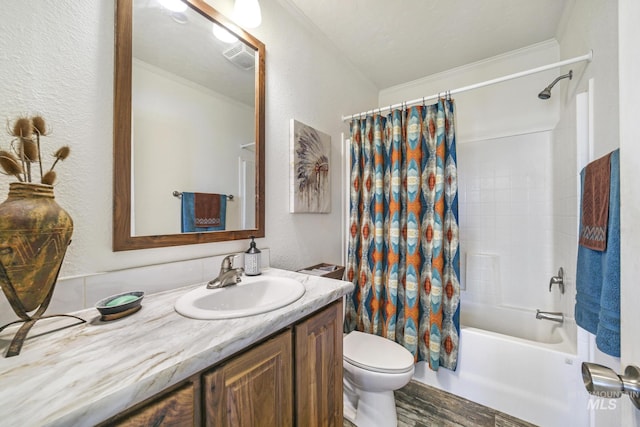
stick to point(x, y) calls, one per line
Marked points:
point(419, 405)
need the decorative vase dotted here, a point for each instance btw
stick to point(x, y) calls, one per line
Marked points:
point(34, 234)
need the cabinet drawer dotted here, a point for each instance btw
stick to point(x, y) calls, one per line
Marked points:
point(172, 409)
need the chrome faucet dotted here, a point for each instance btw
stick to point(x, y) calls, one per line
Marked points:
point(558, 280)
point(554, 316)
point(228, 275)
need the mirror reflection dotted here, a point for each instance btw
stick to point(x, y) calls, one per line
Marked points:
point(188, 126)
point(193, 124)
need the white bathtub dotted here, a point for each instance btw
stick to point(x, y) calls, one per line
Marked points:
point(517, 364)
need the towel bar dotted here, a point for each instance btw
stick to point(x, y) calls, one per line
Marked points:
point(178, 194)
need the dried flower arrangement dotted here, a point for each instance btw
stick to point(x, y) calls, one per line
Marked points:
point(25, 150)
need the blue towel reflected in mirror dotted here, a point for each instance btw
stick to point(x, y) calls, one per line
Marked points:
point(188, 213)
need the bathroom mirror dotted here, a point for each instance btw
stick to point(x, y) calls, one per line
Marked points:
point(188, 117)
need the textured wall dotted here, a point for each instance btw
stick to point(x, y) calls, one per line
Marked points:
point(56, 58)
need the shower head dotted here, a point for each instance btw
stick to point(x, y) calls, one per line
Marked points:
point(546, 93)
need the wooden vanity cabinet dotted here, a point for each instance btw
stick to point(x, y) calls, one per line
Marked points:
point(292, 378)
point(259, 387)
point(177, 407)
point(318, 359)
point(252, 389)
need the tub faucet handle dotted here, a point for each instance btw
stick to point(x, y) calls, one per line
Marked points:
point(559, 280)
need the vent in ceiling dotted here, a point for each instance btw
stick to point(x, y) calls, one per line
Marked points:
point(241, 55)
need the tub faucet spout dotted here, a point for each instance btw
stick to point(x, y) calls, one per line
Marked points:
point(554, 316)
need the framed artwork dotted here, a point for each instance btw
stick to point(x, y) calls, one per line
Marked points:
point(310, 190)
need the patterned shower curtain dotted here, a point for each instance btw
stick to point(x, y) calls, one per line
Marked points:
point(403, 241)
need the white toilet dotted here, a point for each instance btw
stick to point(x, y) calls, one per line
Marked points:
point(373, 368)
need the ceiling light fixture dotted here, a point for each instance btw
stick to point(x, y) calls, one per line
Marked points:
point(247, 13)
point(174, 5)
point(223, 35)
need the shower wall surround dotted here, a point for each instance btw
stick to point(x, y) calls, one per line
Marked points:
point(504, 136)
point(505, 210)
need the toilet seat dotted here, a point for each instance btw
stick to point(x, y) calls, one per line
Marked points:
point(376, 354)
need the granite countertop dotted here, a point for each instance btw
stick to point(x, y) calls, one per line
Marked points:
point(85, 374)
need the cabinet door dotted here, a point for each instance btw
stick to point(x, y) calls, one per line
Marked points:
point(318, 352)
point(254, 388)
point(171, 409)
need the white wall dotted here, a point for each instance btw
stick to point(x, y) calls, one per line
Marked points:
point(629, 67)
point(306, 80)
point(57, 59)
point(586, 24)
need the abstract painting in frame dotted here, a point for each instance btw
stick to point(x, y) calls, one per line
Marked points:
point(310, 190)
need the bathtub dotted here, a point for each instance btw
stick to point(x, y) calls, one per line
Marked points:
point(514, 363)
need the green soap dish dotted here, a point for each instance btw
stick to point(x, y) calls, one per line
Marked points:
point(124, 299)
point(120, 303)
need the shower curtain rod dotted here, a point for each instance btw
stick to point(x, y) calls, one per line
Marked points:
point(587, 57)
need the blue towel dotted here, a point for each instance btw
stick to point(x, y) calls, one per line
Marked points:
point(598, 276)
point(188, 214)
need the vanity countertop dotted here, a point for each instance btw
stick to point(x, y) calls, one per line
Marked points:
point(85, 374)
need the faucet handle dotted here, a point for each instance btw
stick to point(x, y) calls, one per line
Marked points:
point(559, 280)
point(227, 262)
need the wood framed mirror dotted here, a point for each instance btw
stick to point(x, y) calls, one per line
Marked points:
point(169, 64)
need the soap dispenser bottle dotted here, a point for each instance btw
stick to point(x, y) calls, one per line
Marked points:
point(252, 260)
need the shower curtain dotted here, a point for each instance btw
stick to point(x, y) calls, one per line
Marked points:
point(403, 253)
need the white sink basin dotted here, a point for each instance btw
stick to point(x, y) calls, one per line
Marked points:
point(253, 295)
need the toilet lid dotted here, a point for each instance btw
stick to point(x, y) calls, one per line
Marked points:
point(376, 353)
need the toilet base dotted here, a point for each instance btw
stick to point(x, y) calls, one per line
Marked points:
point(373, 409)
